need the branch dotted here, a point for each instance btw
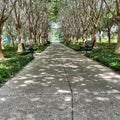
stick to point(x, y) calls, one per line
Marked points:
point(109, 8)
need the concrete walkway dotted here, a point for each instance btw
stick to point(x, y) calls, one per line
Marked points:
point(60, 84)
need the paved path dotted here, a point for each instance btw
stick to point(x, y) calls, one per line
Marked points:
point(60, 84)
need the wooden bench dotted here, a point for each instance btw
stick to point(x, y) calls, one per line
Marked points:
point(28, 49)
point(88, 45)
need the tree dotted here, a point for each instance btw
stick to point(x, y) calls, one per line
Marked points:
point(10, 29)
point(70, 22)
point(6, 8)
point(19, 19)
point(114, 8)
point(36, 13)
point(95, 10)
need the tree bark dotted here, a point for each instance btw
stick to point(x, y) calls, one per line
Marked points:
point(35, 40)
point(30, 39)
point(109, 36)
point(39, 39)
point(100, 36)
point(1, 53)
point(117, 49)
point(12, 40)
point(84, 35)
point(20, 48)
point(94, 34)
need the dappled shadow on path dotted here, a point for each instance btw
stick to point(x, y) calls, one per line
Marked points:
point(58, 75)
point(96, 89)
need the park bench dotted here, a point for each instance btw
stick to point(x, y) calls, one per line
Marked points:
point(88, 45)
point(28, 49)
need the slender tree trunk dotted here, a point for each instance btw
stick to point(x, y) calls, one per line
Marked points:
point(30, 39)
point(94, 34)
point(39, 39)
point(20, 48)
point(77, 36)
point(100, 37)
point(1, 53)
point(109, 36)
point(12, 40)
point(117, 49)
point(84, 36)
point(35, 40)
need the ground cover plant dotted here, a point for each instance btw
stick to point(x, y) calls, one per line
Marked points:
point(42, 48)
point(103, 53)
point(15, 61)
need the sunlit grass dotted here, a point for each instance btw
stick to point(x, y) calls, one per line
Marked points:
point(103, 53)
point(15, 61)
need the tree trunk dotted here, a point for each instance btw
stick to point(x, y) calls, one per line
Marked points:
point(1, 53)
point(35, 40)
point(94, 34)
point(84, 35)
point(100, 35)
point(12, 40)
point(117, 49)
point(30, 39)
point(76, 36)
point(2, 47)
point(20, 48)
point(109, 36)
point(39, 39)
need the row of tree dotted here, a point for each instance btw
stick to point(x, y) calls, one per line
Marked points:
point(24, 19)
point(85, 18)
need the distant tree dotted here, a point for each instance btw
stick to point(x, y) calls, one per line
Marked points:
point(36, 13)
point(10, 29)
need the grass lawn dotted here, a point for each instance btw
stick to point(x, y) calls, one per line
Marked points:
point(103, 54)
point(42, 48)
point(15, 62)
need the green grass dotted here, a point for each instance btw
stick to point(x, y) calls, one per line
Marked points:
point(15, 62)
point(105, 39)
point(103, 54)
point(41, 48)
point(9, 67)
point(76, 47)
